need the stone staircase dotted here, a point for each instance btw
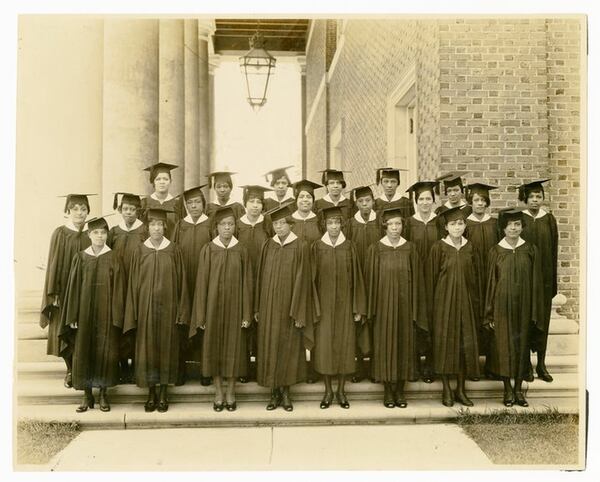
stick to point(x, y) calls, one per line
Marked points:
point(41, 395)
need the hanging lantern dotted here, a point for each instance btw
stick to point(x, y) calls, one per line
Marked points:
point(257, 66)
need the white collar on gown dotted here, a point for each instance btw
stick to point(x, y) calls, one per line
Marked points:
point(90, 251)
point(291, 237)
point(541, 213)
point(188, 219)
point(163, 244)
point(359, 218)
point(396, 197)
point(418, 217)
point(386, 241)
point(327, 240)
point(168, 198)
point(472, 217)
point(328, 199)
point(136, 224)
point(504, 244)
point(449, 242)
point(296, 215)
point(244, 219)
point(232, 243)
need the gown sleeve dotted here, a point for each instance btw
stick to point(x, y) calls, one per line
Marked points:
point(177, 232)
point(359, 302)
point(71, 304)
point(183, 308)
point(52, 282)
point(419, 296)
point(490, 292)
point(198, 316)
point(258, 277)
point(372, 281)
point(119, 292)
point(433, 268)
point(133, 287)
point(303, 309)
point(247, 287)
point(537, 302)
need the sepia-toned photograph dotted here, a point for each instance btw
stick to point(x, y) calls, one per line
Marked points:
point(300, 242)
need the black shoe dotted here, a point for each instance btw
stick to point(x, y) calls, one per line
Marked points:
point(68, 381)
point(311, 380)
point(218, 406)
point(87, 402)
point(427, 378)
point(275, 400)
point(150, 405)
point(243, 379)
point(462, 398)
point(356, 379)
point(509, 399)
point(231, 407)
point(388, 397)
point(342, 400)
point(205, 381)
point(286, 403)
point(401, 401)
point(447, 398)
point(163, 406)
point(520, 399)
point(543, 374)
point(326, 402)
point(529, 376)
point(104, 405)
point(474, 379)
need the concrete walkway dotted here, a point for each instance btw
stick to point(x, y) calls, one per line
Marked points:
point(404, 447)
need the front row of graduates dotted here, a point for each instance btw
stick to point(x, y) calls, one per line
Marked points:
point(336, 296)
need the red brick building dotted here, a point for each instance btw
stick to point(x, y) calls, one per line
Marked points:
point(499, 97)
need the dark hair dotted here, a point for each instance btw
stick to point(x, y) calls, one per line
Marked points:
point(283, 176)
point(324, 221)
point(72, 204)
point(462, 188)
point(484, 195)
point(201, 195)
point(312, 194)
point(418, 194)
point(340, 180)
point(504, 220)
point(135, 205)
point(156, 172)
point(249, 196)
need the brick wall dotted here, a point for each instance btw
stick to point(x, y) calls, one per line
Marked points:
point(498, 97)
point(563, 104)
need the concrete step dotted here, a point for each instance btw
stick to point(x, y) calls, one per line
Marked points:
point(563, 326)
point(253, 414)
point(49, 391)
point(33, 351)
point(54, 368)
point(563, 345)
point(31, 331)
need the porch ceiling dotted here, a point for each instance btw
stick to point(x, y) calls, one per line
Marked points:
point(283, 35)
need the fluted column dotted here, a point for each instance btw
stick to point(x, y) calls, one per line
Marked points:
point(171, 109)
point(130, 106)
point(205, 29)
point(192, 107)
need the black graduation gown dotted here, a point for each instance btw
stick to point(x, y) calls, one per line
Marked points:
point(270, 203)
point(64, 244)
point(172, 217)
point(308, 230)
point(238, 209)
point(253, 237)
point(543, 232)
point(341, 293)
point(95, 300)
point(403, 203)
point(157, 306)
point(191, 238)
point(124, 243)
point(514, 302)
point(484, 235)
point(345, 205)
point(284, 293)
point(222, 300)
point(466, 208)
point(452, 287)
point(364, 235)
point(396, 305)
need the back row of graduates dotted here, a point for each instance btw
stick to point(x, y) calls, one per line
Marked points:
point(347, 280)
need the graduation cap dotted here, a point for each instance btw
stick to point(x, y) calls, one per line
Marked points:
point(510, 214)
point(362, 191)
point(453, 178)
point(277, 174)
point(478, 188)
point(333, 175)
point(77, 199)
point(220, 176)
point(388, 172)
point(157, 213)
point(422, 186)
point(222, 213)
point(305, 185)
point(525, 189)
point(280, 212)
point(128, 198)
point(253, 191)
point(193, 192)
point(390, 213)
point(332, 212)
point(98, 222)
point(453, 214)
point(159, 167)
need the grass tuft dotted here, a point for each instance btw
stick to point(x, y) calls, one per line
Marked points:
point(38, 442)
